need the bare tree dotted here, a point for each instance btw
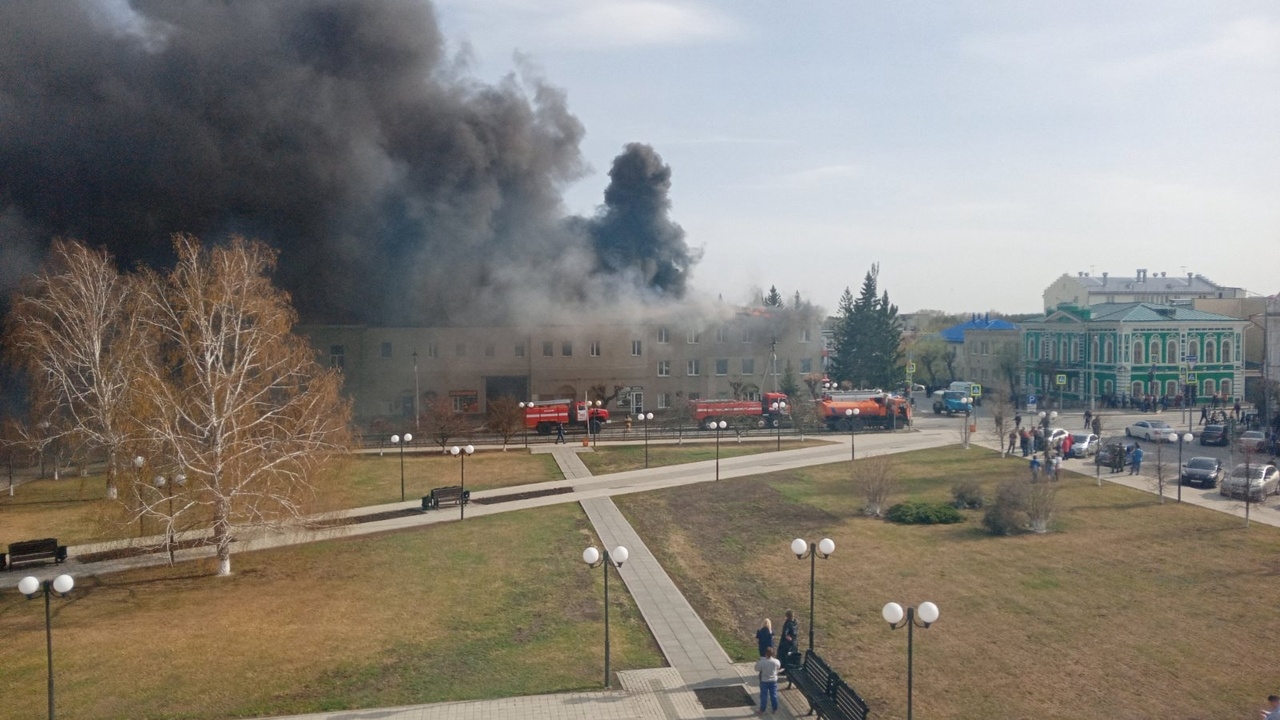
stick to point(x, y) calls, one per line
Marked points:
point(805, 416)
point(236, 402)
point(73, 332)
point(441, 422)
point(1040, 502)
point(506, 418)
point(875, 478)
point(1001, 411)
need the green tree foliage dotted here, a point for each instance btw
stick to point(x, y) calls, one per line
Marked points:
point(790, 383)
point(867, 337)
point(773, 299)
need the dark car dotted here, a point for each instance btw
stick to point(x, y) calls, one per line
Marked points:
point(1115, 452)
point(1214, 435)
point(1202, 472)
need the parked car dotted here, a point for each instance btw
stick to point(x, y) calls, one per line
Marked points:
point(1251, 441)
point(1083, 444)
point(1156, 430)
point(1214, 435)
point(1202, 471)
point(1110, 448)
point(1057, 435)
point(1261, 481)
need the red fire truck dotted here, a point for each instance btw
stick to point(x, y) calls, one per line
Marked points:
point(544, 415)
point(715, 410)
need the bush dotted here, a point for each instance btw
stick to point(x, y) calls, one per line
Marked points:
point(966, 495)
point(1007, 513)
point(923, 513)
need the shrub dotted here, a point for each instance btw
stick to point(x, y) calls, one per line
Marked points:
point(966, 495)
point(923, 513)
point(1007, 513)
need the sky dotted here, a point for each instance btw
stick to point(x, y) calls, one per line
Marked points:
point(975, 150)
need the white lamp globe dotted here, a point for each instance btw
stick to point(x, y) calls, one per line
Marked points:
point(139, 461)
point(408, 437)
point(455, 450)
point(395, 439)
point(620, 555)
point(63, 584)
point(470, 449)
point(28, 585)
point(590, 556)
point(928, 612)
point(826, 546)
point(892, 613)
point(798, 546)
point(1188, 438)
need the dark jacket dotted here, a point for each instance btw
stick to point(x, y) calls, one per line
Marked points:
point(764, 639)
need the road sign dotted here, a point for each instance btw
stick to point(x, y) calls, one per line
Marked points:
point(1031, 399)
point(975, 390)
point(1191, 378)
point(911, 368)
point(1061, 379)
point(1189, 359)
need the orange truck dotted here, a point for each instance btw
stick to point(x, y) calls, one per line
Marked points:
point(771, 408)
point(545, 415)
point(874, 409)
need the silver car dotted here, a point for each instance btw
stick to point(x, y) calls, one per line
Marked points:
point(1261, 481)
point(1083, 444)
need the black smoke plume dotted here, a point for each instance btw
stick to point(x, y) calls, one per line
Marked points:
point(398, 189)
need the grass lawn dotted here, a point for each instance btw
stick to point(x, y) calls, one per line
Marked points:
point(75, 509)
point(1127, 609)
point(620, 458)
point(494, 606)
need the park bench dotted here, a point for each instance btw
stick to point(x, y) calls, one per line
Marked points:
point(31, 551)
point(827, 694)
point(441, 496)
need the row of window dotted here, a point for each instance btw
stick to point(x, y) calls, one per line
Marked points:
point(694, 367)
point(1072, 351)
point(1140, 387)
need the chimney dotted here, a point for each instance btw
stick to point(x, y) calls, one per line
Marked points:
point(1141, 275)
point(1164, 274)
point(1190, 276)
point(1104, 278)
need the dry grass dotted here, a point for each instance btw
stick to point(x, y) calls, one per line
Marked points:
point(491, 607)
point(1126, 609)
point(620, 458)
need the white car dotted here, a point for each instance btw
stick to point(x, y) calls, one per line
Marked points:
point(1156, 430)
point(1083, 444)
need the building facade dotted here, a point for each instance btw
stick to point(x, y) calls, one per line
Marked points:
point(653, 365)
point(1084, 289)
point(1120, 351)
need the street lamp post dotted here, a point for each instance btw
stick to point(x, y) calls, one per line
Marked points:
point(717, 426)
point(646, 419)
point(462, 454)
point(396, 440)
point(968, 413)
point(925, 616)
point(595, 558)
point(1183, 439)
point(593, 425)
point(524, 421)
point(138, 462)
point(851, 417)
point(166, 484)
point(60, 586)
point(417, 422)
point(805, 549)
point(777, 408)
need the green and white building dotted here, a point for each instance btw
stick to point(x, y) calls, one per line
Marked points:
point(1124, 350)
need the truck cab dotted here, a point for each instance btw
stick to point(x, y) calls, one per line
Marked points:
point(950, 402)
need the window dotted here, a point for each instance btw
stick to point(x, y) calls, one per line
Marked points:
point(1110, 351)
point(664, 368)
point(433, 350)
point(694, 367)
point(722, 366)
point(1171, 352)
point(1137, 353)
point(566, 348)
point(595, 348)
point(693, 337)
point(1226, 354)
point(489, 350)
point(337, 356)
point(663, 339)
point(748, 335)
point(722, 334)
point(806, 366)
point(1225, 387)
point(1210, 388)
point(1210, 350)
point(465, 401)
point(804, 335)
point(1107, 387)
point(748, 366)
point(406, 405)
point(695, 396)
point(1155, 351)
point(460, 350)
point(664, 401)
point(1171, 387)
point(635, 348)
point(1137, 390)
point(385, 351)
point(519, 349)
point(548, 348)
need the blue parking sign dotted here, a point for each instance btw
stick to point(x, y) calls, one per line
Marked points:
point(1031, 399)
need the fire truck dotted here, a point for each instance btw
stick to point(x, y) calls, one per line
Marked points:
point(875, 409)
point(545, 415)
point(715, 410)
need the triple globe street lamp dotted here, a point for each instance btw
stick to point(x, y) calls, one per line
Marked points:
point(60, 586)
point(924, 616)
point(396, 440)
point(595, 558)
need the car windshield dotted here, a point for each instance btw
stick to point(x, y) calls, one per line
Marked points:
point(1202, 463)
point(1079, 437)
point(1254, 472)
point(1160, 424)
point(1213, 428)
point(953, 394)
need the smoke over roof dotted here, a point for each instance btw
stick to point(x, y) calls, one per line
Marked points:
point(397, 188)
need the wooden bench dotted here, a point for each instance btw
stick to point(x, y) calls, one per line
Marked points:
point(442, 496)
point(827, 694)
point(32, 551)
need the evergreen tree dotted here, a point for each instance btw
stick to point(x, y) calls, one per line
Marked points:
point(867, 335)
point(845, 337)
point(773, 299)
point(790, 383)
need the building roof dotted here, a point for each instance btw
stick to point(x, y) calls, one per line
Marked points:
point(955, 333)
point(1149, 283)
point(1137, 312)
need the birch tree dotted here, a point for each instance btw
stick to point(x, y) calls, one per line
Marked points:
point(238, 405)
point(72, 332)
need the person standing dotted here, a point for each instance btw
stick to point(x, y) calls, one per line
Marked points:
point(764, 637)
point(559, 433)
point(787, 639)
point(767, 668)
point(1135, 466)
point(1055, 464)
point(1013, 441)
point(1097, 426)
point(1088, 419)
point(1017, 421)
point(1035, 468)
point(1272, 710)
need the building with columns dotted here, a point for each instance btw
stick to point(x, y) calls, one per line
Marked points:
point(1124, 350)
